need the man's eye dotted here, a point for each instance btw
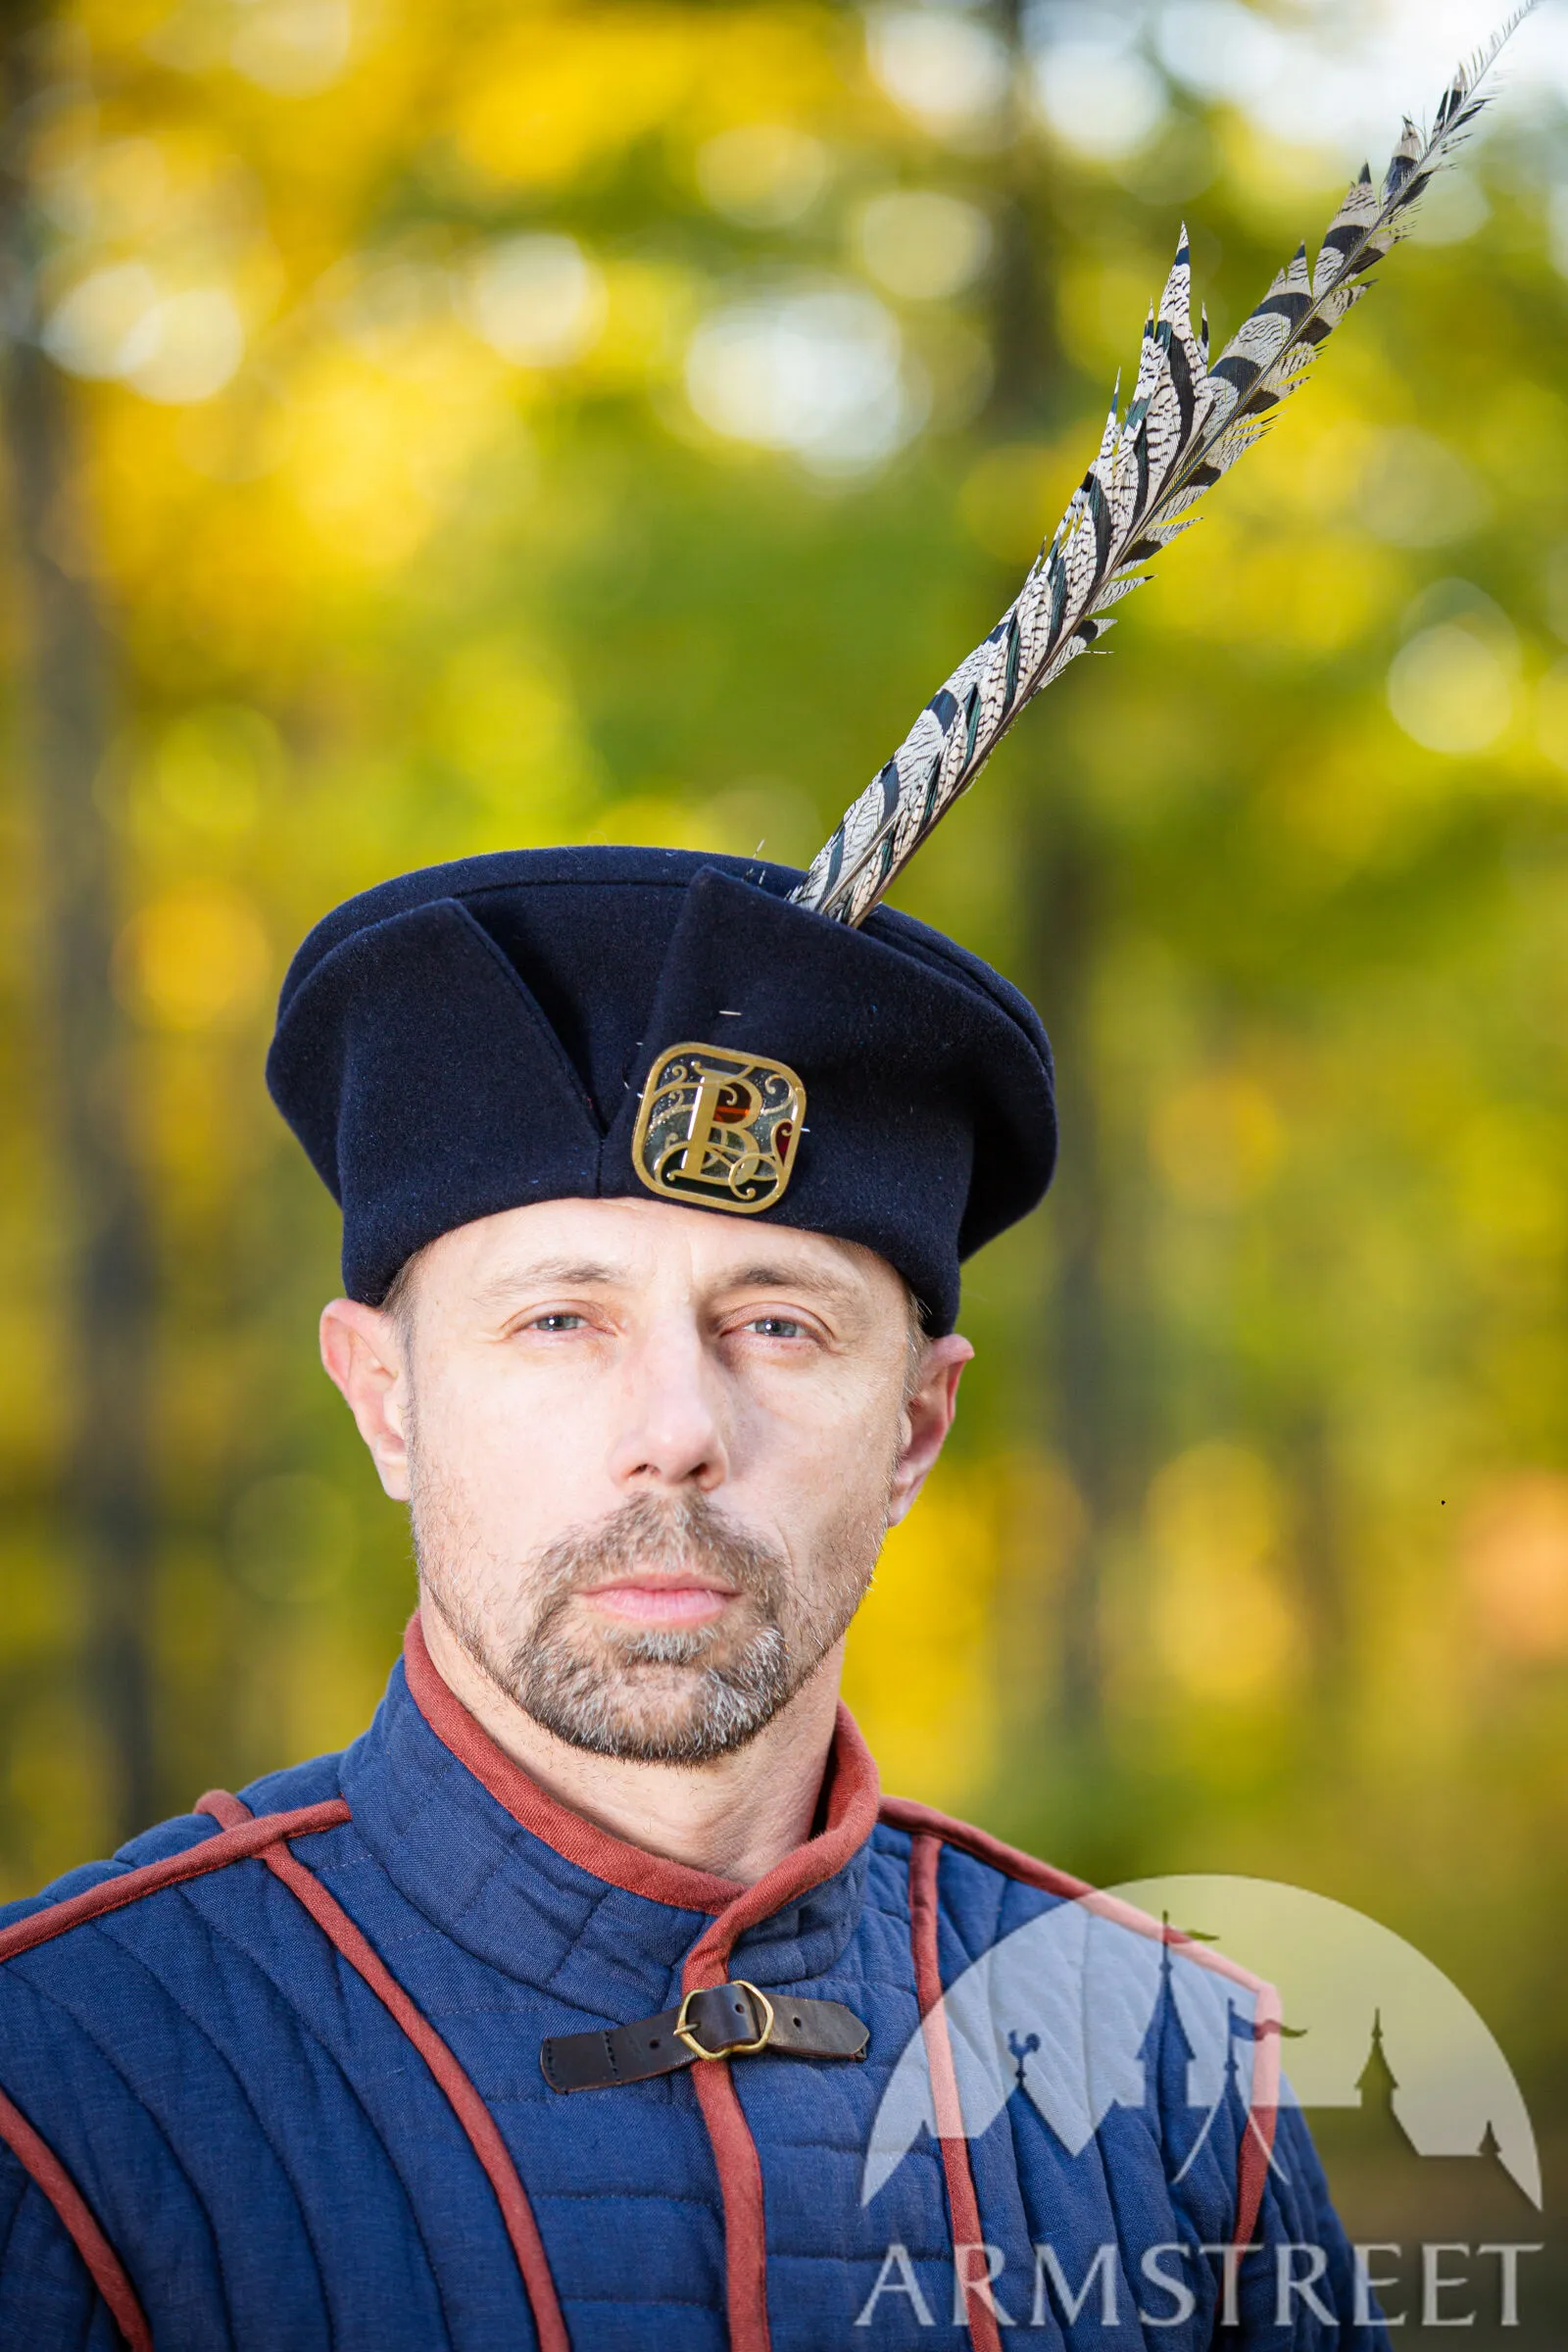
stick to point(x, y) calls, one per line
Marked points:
point(776, 1327)
point(557, 1322)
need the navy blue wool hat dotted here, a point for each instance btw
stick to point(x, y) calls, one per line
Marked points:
point(608, 1023)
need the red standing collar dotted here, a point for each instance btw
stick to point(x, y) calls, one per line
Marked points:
point(852, 1798)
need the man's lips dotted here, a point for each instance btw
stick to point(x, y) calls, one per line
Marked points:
point(653, 1599)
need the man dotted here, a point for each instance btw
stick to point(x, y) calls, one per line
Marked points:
point(595, 1997)
point(560, 2009)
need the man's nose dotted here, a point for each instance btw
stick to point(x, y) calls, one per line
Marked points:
point(671, 1433)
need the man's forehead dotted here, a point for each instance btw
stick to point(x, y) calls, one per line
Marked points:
point(633, 1243)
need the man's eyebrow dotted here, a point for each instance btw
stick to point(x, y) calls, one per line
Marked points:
point(572, 1273)
point(813, 1281)
point(509, 1283)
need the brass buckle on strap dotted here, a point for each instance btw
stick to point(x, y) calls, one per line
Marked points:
point(739, 2049)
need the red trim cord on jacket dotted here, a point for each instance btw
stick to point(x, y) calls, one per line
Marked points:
point(1258, 2139)
point(130, 1885)
point(851, 1815)
point(567, 1833)
point(851, 1808)
point(99, 2259)
point(479, 2125)
point(964, 2206)
point(32, 2151)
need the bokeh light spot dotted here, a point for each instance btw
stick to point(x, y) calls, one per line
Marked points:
point(90, 328)
point(185, 348)
point(1551, 715)
point(1217, 1141)
point(939, 65)
point(1220, 49)
point(1097, 102)
point(292, 47)
point(1450, 690)
point(817, 372)
point(538, 300)
point(923, 245)
point(172, 347)
point(1223, 1623)
point(211, 766)
point(1451, 209)
point(1417, 492)
point(1516, 1564)
point(195, 958)
point(763, 175)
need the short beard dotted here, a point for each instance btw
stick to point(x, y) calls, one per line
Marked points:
point(651, 1696)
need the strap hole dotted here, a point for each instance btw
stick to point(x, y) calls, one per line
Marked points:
point(654, 2044)
point(795, 2021)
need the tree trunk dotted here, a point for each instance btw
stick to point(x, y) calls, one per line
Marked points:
point(65, 694)
point(1062, 867)
point(1061, 900)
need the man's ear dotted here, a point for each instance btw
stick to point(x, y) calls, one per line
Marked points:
point(365, 1354)
point(928, 1412)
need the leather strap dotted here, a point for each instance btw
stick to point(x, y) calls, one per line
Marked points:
point(729, 2021)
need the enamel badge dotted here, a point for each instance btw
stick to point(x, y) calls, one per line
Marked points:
point(718, 1129)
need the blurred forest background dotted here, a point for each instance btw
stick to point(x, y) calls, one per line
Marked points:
point(432, 430)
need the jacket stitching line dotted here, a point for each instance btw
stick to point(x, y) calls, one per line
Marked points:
point(964, 2206)
point(76, 2217)
point(219, 1934)
point(106, 2057)
point(356, 1951)
point(197, 1860)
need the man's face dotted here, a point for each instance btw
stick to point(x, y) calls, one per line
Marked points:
point(651, 1455)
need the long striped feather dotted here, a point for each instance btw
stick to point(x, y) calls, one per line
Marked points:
point(1185, 426)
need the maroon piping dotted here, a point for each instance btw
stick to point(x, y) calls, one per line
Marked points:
point(851, 1808)
point(852, 1811)
point(964, 2206)
point(102, 2264)
point(113, 1894)
point(850, 1818)
point(471, 2113)
point(33, 2153)
point(1257, 2141)
point(569, 1834)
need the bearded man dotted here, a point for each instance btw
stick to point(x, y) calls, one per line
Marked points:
point(561, 2008)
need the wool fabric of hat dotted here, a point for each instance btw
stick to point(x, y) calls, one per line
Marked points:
point(483, 1035)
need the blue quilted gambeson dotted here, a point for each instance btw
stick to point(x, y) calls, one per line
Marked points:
point(217, 2135)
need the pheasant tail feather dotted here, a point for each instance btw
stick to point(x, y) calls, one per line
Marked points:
point(1186, 422)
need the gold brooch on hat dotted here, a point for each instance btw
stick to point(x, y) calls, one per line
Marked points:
point(718, 1129)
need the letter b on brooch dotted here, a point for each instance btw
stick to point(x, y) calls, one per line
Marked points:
point(718, 1129)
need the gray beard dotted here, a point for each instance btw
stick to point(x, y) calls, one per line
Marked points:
point(651, 1695)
